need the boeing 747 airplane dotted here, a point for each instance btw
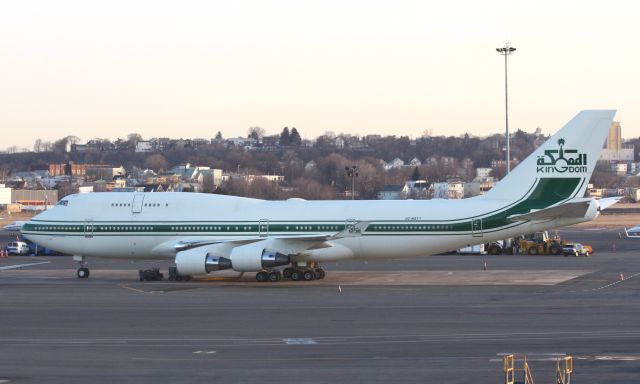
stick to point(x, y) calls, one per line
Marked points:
point(205, 233)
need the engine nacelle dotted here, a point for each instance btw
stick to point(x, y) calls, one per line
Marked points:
point(199, 262)
point(252, 258)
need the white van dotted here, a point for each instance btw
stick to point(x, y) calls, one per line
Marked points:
point(17, 248)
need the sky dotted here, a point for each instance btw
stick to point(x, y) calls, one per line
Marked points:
point(104, 69)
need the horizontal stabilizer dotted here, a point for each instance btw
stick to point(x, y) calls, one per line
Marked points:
point(608, 201)
point(574, 209)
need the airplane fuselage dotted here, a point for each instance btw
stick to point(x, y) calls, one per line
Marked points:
point(148, 225)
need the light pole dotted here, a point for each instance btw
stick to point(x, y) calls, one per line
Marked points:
point(506, 51)
point(352, 172)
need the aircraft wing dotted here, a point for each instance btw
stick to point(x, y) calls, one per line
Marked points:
point(18, 266)
point(571, 209)
point(633, 233)
point(295, 243)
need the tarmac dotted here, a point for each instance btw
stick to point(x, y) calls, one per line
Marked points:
point(431, 319)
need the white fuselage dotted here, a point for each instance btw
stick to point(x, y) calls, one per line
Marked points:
point(148, 225)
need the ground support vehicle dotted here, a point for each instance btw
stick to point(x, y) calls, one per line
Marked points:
point(153, 274)
point(575, 249)
point(17, 248)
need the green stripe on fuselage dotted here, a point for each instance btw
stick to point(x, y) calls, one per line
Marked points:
point(547, 192)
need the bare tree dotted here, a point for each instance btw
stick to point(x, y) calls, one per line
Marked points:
point(157, 162)
point(133, 138)
point(256, 133)
point(73, 139)
point(47, 146)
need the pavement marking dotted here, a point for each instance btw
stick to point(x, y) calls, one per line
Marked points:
point(19, 266)
point(326, 340)
point(615, 282)
point(204, 352)
point(138, 290)
point(305, 341)
point(609, 358)
point(530, 356)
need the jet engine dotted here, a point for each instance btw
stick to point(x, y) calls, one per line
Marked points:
point(199, 262)
point(245, 258)
point(253, 258)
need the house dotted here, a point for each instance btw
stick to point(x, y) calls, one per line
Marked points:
point(144, 146)
point(416, 189)
point(483, 173)
point(390, 192)
point(242, 142)
point(451, 189)
point(395, 163)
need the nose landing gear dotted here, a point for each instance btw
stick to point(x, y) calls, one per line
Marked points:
point(83, 269)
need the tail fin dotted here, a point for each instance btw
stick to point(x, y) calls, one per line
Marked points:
point(563, 165)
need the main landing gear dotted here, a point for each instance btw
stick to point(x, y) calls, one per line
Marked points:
point(271, 276)
point(83, 269)
point(311, 271)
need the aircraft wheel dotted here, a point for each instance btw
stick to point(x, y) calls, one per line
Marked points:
point(309, 275)
point(83, 273)
point(296, 275)
point(494, 250)
point(262, 276)
point(275, 276)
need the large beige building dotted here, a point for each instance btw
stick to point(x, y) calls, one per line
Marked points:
point(614, 150)
point(614, 141)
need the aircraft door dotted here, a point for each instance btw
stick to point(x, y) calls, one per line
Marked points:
point(88, 229)
point(476, 227)
point(263, 228)
point(136, 205)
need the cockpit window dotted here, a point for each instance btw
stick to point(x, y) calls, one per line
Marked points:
point(63, 202)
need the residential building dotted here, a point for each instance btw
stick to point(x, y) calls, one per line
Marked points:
point(144, 146)
point(391, 192)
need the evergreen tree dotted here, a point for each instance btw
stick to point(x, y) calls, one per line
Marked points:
point(219, 135)
point(294, 137)
point(416, 174)
point(285, 137)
